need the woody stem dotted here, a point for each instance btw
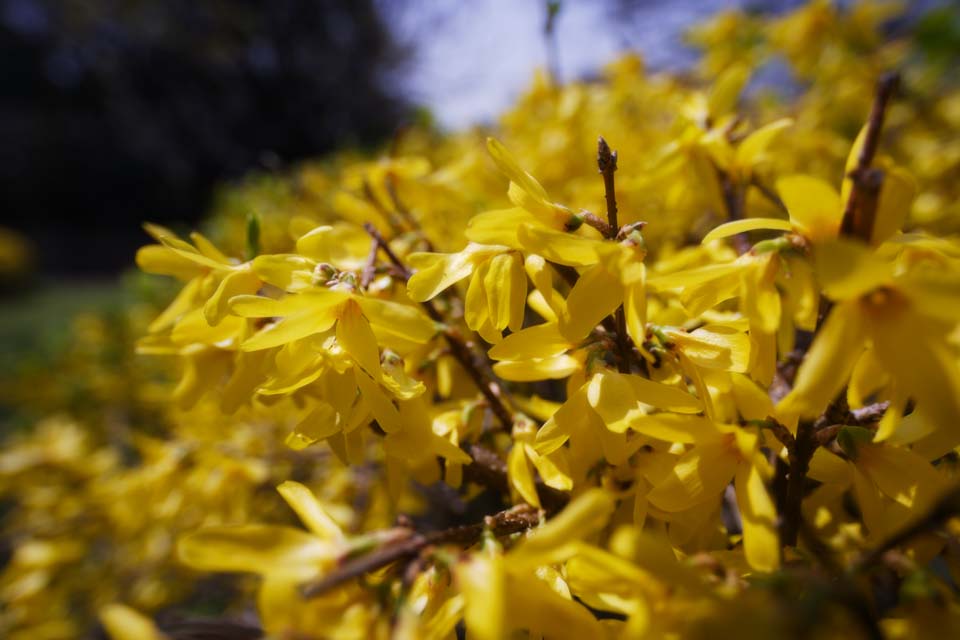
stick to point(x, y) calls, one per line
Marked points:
point(607, 166)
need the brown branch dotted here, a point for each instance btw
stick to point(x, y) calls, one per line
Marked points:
point(864, 416)
point(861, 206)
point(607, 166)
point(799, 456)
point(598, 223)
point(780, 432)
point(370, 267)
point(504, 523)
point(488, 386)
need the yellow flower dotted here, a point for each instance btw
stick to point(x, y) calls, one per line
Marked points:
point(701, 474)
point(903, 315)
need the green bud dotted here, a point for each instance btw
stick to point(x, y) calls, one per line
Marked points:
point(850, 438)
point(253, 235)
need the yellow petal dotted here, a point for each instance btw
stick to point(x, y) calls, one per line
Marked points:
point(611, 396)
point(499, 226)
point(538, 341)
point(926, 369)
point(828, 363)
point(814, 206)
point(252, 548)
point(754, 147)
point(901, 474)
point(663, 396)
point(193, 328)
point(287, 272)
point(124, 623)
point(482, 582)
point(553, 468)
point(866, 378)
point(672, 427)
point(344, 245)
point(387, 415)
point(240, 281)
point(700, 474)
point(309, 510)
point(521, 476)
point(320, 423)
point(541, 274)
point(753, 403)
point(635, 308)
point(509, 166)
point(356, 338)
point(586, 514)
point(561, 247)
point(164, 261)
point(847, 268)
point(749, 224)
point(761, 544)
point(505, 284)
point(714, 347)
point(553, 368)
point(247, 306)
point(595, 295)
point(397, 319)
point(291, 328)
point(436, 272)
point(572, 414)
point(896, 197)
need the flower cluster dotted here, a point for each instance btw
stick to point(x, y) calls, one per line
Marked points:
point(714, 380)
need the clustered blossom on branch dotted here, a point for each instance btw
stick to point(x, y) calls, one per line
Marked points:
point(639, 387)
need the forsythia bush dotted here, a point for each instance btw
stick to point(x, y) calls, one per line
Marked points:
point(713, 389)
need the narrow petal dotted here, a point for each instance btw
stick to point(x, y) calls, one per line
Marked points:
point(814, 206)
point(698, 476)
point(828, 363)
point(761, 544)
point(309, 510)
point(848, 268)
point(252, 548)
point(748, 224)
point(402, 320)
point(521, 476)
point(553, 368)
point(596, 295)
point(356, 338)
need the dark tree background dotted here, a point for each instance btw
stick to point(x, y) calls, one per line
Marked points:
point(117, 111)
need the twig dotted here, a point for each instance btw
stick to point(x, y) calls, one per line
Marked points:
point(799, 456)
point(780, 432)
point(861, 206)
point(519, 518)
point(550, 39)
point(607, 166)
point(598, 223)
point(857, 417)
point(370, 268)
point(489, 387)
